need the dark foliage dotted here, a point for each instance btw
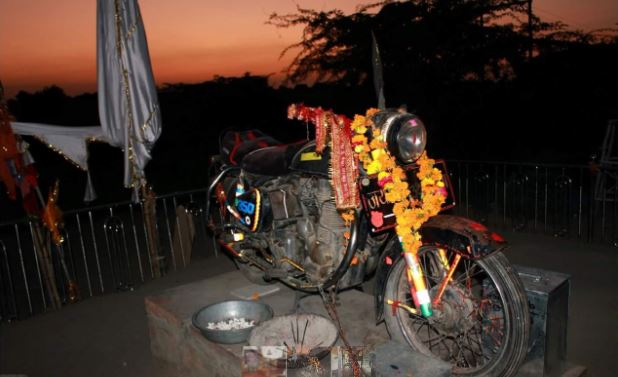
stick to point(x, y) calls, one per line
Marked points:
point(462, 66)
point(485, 89)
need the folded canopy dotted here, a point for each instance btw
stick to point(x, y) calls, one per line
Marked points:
point(71, 142)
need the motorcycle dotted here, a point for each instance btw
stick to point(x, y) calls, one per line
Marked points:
point(318, 217)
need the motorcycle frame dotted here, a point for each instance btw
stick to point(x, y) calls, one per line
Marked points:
point(462, 236)
point(354, 242)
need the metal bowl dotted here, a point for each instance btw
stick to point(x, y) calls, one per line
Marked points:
point(305, 336)
point(226, 310)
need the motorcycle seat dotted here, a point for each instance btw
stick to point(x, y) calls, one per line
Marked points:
point(273, 160)
point(235, 145)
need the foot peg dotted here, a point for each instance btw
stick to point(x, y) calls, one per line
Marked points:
point(275, 274)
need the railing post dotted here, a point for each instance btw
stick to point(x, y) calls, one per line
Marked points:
point(546, 200)
point(23, 268)
point(504, 198)
point(536, 197)
point(137, 248)
point(169, 233)
point(10, 314)
point(96, 251)
point(179, 233)
point(83, 247)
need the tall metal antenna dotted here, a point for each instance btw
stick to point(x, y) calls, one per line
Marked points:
point(378, 80)
point(530, 31)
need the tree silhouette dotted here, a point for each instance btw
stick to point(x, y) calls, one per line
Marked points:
point(462, 66)
point(424, 41)
point(468, 67)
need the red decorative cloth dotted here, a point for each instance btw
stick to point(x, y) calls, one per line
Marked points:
point(345, 168)
point(343, 162)
point(14, 174)
point(10, 158)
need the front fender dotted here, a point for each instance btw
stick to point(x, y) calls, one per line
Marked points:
point(471, 239)
point(466, 237)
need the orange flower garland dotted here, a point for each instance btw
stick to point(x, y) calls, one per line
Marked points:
point(409, 213)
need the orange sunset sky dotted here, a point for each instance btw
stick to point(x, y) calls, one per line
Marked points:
point(44, 42)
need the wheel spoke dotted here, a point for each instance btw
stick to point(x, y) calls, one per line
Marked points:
point(436, 338)
point(460, 354)
point(475, 353)
point(448, 349)
point(480, 343)
point(421, 324)
point(468, 327)
point(466, 276)
point(426, 270)
point(428, 334)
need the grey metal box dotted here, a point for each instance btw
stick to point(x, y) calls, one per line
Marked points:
point(548, 298)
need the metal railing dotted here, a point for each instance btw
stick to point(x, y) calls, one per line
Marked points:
point(558, 200)
point(107, 249)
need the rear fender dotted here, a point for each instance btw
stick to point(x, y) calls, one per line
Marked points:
point(466, 237)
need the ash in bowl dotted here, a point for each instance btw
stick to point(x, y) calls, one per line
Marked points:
point(231, 324)
point(304, 336)
point(230, 321)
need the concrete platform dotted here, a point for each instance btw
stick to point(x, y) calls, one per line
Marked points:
point(179, 349)
point(108, 335)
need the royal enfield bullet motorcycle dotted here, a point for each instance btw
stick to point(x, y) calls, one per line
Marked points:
point(446, 288)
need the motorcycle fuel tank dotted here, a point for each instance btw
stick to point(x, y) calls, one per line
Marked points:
point(307, 160)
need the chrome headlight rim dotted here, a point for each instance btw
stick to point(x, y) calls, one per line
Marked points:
point(391, 127)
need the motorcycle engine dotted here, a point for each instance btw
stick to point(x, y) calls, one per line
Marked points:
point(300, 223)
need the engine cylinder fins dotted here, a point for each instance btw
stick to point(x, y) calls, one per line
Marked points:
point(350, 252)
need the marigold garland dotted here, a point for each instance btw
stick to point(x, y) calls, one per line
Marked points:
point(410, 213)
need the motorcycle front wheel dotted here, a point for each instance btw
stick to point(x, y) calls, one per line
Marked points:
point(480, 326)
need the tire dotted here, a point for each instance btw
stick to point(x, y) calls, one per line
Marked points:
point(482, 324)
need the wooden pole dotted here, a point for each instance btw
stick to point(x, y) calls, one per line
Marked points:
point(150, 219)
point(47, 269)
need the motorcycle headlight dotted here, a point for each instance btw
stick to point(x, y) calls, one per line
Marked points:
point(405, 136)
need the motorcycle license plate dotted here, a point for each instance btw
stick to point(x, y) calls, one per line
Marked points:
point(380, 212)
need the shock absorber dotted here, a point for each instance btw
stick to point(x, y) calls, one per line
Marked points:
point(418, 289)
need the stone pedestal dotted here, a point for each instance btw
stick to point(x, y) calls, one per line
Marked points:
point(180, 350)
point(394, 359)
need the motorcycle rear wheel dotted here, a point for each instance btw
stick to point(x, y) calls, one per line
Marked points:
point(481, 325)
